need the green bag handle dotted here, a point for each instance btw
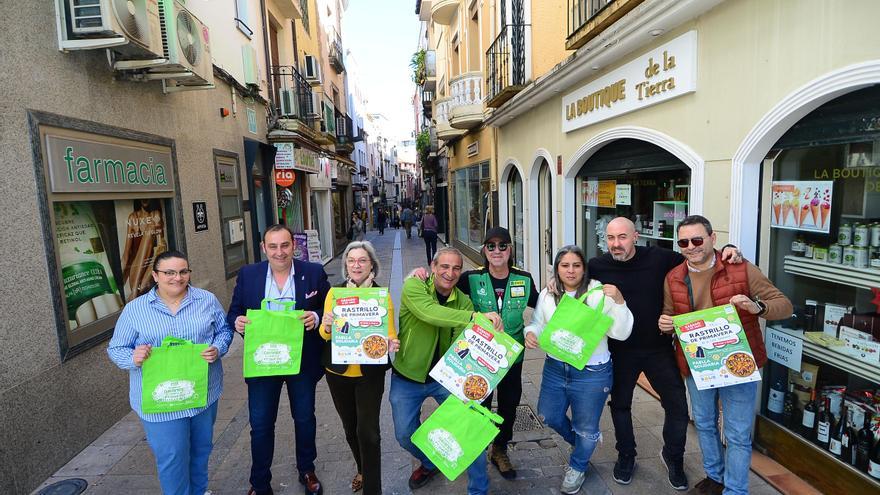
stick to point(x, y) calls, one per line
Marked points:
point(485, 412)
point(288, 305)
point(171, 340)
point(586, 294)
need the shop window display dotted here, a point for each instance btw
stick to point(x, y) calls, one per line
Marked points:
point(824, 250)
point(471, 204)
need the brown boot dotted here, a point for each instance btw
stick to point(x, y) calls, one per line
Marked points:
point(499, 458)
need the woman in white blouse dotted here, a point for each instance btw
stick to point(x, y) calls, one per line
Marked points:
point(564, 386)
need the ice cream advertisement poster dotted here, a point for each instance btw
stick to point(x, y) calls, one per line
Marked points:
point(360, 326)
point(715, 346)
point(801, 205)
point(476, 361)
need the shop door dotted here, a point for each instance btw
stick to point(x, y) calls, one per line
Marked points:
point(515, 217)
point(545, 221)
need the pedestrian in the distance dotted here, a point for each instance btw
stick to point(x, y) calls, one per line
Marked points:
point(407, 218)
point(564, 386)
point(356, 227)
point(380, 221)
point(181, 441)
point(429, 232)
point(357, 389)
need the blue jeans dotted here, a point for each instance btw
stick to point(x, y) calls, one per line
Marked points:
point(406, 399)
point(264, 394)
point(738, 402)
point(182, 448)
point(585, 391)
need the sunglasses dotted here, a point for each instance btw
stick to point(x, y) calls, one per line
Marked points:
point(502, 246)
point(696, 241)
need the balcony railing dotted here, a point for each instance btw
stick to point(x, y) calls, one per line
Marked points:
point(588, 18)
point(293, 98)
point(582, 11)
point(467, 89)
point(427, 99)
point(442, 106)
point(506, 65)
point(336, 55)
point(343, 129)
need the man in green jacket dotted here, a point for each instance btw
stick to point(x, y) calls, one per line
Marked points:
point(432, 314)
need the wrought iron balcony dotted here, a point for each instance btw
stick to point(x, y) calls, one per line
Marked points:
point(293, 97)
point(506, 65)
point(344, 142)
point(427, 101)
point(335, 56)
point(588, 18)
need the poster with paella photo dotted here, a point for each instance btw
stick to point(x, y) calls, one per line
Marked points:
point(360, 326)
point(476, 361)
point(715, 346)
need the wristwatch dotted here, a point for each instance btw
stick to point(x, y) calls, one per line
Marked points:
point(762, 305)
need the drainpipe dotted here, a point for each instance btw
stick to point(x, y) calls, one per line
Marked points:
point(265, 26)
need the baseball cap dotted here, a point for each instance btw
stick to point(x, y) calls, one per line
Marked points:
point(497, 233)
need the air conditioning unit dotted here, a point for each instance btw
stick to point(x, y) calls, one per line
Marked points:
point(186, 46)
point(130, 27)
point(312, 69)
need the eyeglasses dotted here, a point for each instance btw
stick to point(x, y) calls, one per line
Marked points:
point(173, 273)
point(358, 261)
point(696, 241)
point(502, 246)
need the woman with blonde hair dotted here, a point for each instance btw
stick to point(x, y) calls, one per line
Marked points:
point(357, 389)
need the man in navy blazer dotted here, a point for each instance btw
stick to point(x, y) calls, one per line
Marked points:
point(283, 277)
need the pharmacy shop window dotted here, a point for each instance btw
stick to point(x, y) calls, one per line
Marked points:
point(109, 210)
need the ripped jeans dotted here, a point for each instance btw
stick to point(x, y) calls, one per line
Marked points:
point(563, 386)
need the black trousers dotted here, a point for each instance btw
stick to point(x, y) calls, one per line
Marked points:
point(509, 392)
point(358, 401)
point(661, 370)
point(430, 238)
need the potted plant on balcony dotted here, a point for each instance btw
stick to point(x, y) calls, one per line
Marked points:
point(417, 64)
point(423, 147)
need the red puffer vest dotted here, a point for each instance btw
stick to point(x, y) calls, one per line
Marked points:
point(728, 281)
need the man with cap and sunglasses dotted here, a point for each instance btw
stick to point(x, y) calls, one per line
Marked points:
point(501, 288)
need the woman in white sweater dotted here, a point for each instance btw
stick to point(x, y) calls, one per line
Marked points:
point(564, 386)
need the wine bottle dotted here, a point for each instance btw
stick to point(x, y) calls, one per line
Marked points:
point(864, 442)
point(848, 442)
point(835, 443)
point(824, 423)
point(808, 422)
point(776, 399)
point(874, 462)
point(789, 408)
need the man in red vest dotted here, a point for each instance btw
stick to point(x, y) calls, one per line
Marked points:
point(704, 281)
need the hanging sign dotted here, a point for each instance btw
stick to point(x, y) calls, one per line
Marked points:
point(285, 178)
point(284, 156)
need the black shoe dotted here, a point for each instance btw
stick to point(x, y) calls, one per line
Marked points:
point(501, 460)
point(675, 469)
point(623, 469)
point(421, 476)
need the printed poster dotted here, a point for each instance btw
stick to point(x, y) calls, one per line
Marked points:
point(301, 246)
point(624, 194)
point(359, 334)
point(90, 290)
point(141, 227)
point(801, 205)
point(590, 192)
point(476, 361)
point(607, 194)
point(715, 346)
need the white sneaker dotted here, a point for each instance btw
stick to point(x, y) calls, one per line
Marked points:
point(572, 482)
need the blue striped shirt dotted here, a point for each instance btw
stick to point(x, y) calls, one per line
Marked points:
point(147, 320)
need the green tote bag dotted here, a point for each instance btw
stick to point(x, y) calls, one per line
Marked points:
point(174, 377)
point(273, 340)
point(455, 434)
point(575, 329)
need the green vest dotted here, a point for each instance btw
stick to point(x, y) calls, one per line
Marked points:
point(516, 300)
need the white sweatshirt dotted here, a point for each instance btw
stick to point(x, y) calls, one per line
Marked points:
point(620, 330)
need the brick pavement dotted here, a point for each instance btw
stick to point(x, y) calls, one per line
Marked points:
point(120, 462)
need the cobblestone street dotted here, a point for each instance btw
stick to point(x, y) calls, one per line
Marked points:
point(120, 461)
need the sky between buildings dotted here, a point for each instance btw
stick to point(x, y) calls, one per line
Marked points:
point(382, 36)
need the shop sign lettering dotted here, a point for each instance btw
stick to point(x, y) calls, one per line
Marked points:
point(77, 165)
point(666, 72)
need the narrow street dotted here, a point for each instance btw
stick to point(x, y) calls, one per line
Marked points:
point(120, 461)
